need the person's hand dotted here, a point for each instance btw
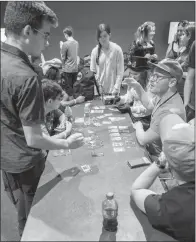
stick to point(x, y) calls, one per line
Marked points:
point(75, 141)
point(131, 82)
point(115, 91)
point(61, 44)
point(148, 56)
point(154, 57)
point(80, 99)
point(138, 125)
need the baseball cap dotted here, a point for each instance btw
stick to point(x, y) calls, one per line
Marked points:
point(170, 66)
point(179, 148)
point(54, 62)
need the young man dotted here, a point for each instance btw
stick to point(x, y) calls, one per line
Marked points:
point(69, 53)
point(172, 212)
point(28, 27)
point(189, 86)
point(163, 82)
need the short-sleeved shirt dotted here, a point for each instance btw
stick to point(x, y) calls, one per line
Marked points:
point(110, 70)
point(22, 103)
point(174, 212)
point(69, 53)
point(192, 65)
point(161, 109)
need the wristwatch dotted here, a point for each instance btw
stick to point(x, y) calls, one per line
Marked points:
point(160, 163)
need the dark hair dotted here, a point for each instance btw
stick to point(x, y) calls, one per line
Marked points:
point(68, 30)
point(52, 73)
point(190, 31)
point(100, 29)
point(19, 14)
point(183, 23)
point(51, 89)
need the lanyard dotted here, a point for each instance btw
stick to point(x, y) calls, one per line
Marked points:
point(163, 103)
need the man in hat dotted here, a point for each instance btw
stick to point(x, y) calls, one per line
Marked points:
point(172, 212)
point(162, 83)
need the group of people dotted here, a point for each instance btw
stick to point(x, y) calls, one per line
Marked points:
point(34, 98)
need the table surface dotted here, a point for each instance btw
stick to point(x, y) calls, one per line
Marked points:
point(68, 208)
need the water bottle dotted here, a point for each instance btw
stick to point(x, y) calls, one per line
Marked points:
point(110, 213)
point(87, 111)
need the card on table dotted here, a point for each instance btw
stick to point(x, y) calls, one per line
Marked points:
point(102, 107)
point(95, 107)
point(119, 149)
point(123, 127)
point(106, 122)
point(86, 168)
point(113, 130)
point(112, 127)
point(116, 138)
point(79, 120)
point(129, 143)
point(101, 117)
point(97, 111)
point(117, 144)
point(124, 131)
point(114, 134)
point(97, 154)
point(108, 114)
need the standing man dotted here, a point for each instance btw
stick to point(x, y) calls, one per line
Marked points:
point(69, 53)
point(189, 86)
point(23, 143)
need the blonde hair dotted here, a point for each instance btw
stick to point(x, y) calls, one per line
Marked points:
point(142, 31)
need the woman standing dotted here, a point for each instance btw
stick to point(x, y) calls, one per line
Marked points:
point(107, 62)
point(143, 44)
point(173, 48)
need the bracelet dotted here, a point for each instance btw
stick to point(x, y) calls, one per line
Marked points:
point(75, 102)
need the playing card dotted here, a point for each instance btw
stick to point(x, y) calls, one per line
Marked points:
point(127, 134)
point(112, 127)
point(97, 154)
point(97, 124)
point(146, 160)
point(124, 131)
point(96, 111)
point(106, 122)
point(123, 127)
point(86, 168)
point(116, 138)
point(102, 107)
point(119, 149)
point(113, 130)
point(96, 107)
point(114, 134)
point(129, 143)
point(117, 144)
point(101, 117)
point(108, 114)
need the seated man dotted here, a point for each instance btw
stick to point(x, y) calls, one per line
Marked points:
point(162, 83)
point(55, 119)
point(172, 212)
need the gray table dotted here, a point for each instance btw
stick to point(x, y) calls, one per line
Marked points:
point(68, 208)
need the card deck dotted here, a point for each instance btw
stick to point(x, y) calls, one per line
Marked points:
point(117, 144)
point(97, 154)
point(116, 138)
point(136, 163)
point(114, 134)
point(119, 149)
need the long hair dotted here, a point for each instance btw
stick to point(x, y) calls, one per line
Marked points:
point(190, 31)
point(100, 29)
point(143, 31)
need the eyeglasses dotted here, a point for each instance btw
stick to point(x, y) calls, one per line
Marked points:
point(156, 78)
point(46, 34)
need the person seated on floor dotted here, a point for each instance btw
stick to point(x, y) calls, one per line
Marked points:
point(172, 212)
point(51, 70)
point(55, 119)
point(162, 83)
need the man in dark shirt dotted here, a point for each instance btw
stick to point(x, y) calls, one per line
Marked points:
point(172, 212)
point(22, 104)
point(189, 86)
